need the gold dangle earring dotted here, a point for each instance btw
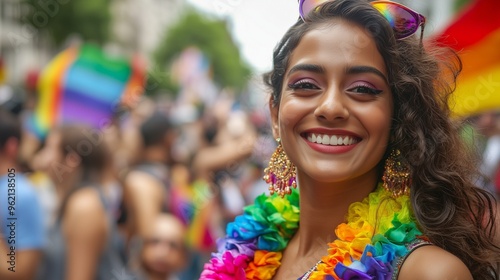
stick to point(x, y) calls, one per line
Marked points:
point(397, 175)
point(280, 173)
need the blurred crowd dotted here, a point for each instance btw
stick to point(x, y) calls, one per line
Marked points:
point(147, 195)
point(482, 132)
point(143, 197)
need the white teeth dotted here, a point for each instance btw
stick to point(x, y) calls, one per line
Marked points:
point(333, 140)
point(326, 140)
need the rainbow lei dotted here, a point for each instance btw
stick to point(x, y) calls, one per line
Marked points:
point(367, 247)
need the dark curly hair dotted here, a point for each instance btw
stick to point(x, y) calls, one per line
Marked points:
point(451, 210)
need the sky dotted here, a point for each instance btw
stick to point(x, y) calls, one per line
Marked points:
point(256, 25)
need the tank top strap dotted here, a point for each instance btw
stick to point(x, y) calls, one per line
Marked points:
point(412, 246)
point(102, 197)
point(161, 173)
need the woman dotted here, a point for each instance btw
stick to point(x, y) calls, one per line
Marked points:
point(386, 187)
point(83, 241)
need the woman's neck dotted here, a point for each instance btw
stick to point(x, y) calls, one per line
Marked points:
point(155, 154)
point(323, 207)
point(74, 178)
point(66, 182)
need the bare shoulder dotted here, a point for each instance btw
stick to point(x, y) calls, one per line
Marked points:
point(433, 263)
point(84, 208)
point(140, 182)
point(84, 200)
point(140, 186)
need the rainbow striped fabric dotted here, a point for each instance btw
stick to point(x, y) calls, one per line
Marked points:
point(475, 34)
point(83, 84)
point(378, 234)
point(191, 204)
point(2, 71)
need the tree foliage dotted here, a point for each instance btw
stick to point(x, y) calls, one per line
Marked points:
point(214, 40)
point(89, 19)
point(460, 4)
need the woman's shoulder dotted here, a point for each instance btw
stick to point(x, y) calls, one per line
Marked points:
point(432, 262)
point(84, 204)
point(84, 199)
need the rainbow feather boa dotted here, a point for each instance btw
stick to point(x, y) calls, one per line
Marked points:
point(369, 243)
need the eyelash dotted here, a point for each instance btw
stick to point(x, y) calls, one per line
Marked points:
point(301, 83)
point(368, 89)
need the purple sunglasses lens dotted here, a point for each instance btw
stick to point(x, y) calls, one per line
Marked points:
point(306, 6)
point(404, 22)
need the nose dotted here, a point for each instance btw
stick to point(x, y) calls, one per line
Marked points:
point(332, 105)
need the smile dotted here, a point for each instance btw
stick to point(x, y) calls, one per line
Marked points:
point(332, 140)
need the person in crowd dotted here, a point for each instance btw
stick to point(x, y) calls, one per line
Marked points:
point(227, 142)
point(487, 125)
point(146, 185)
point(164, 253)
point(22, 232)
point(195, 203)
point(386, 187)
point(83, 241)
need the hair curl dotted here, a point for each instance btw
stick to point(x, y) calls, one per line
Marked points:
point(452, 211)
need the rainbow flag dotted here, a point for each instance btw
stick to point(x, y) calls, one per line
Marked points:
point(82, 84)
point(475, 34)
point(193, 205)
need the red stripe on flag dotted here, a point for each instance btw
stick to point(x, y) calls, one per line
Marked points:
point(472, 25)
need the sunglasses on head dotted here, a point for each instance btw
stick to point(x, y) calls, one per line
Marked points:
point(403, 20)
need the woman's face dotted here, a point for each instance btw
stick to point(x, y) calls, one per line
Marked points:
point(336, 106)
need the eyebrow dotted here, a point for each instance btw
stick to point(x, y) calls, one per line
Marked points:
point(349, 70)
point(306, 67)
point(366, 69)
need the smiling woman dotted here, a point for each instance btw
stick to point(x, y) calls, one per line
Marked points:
point(358, 106)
